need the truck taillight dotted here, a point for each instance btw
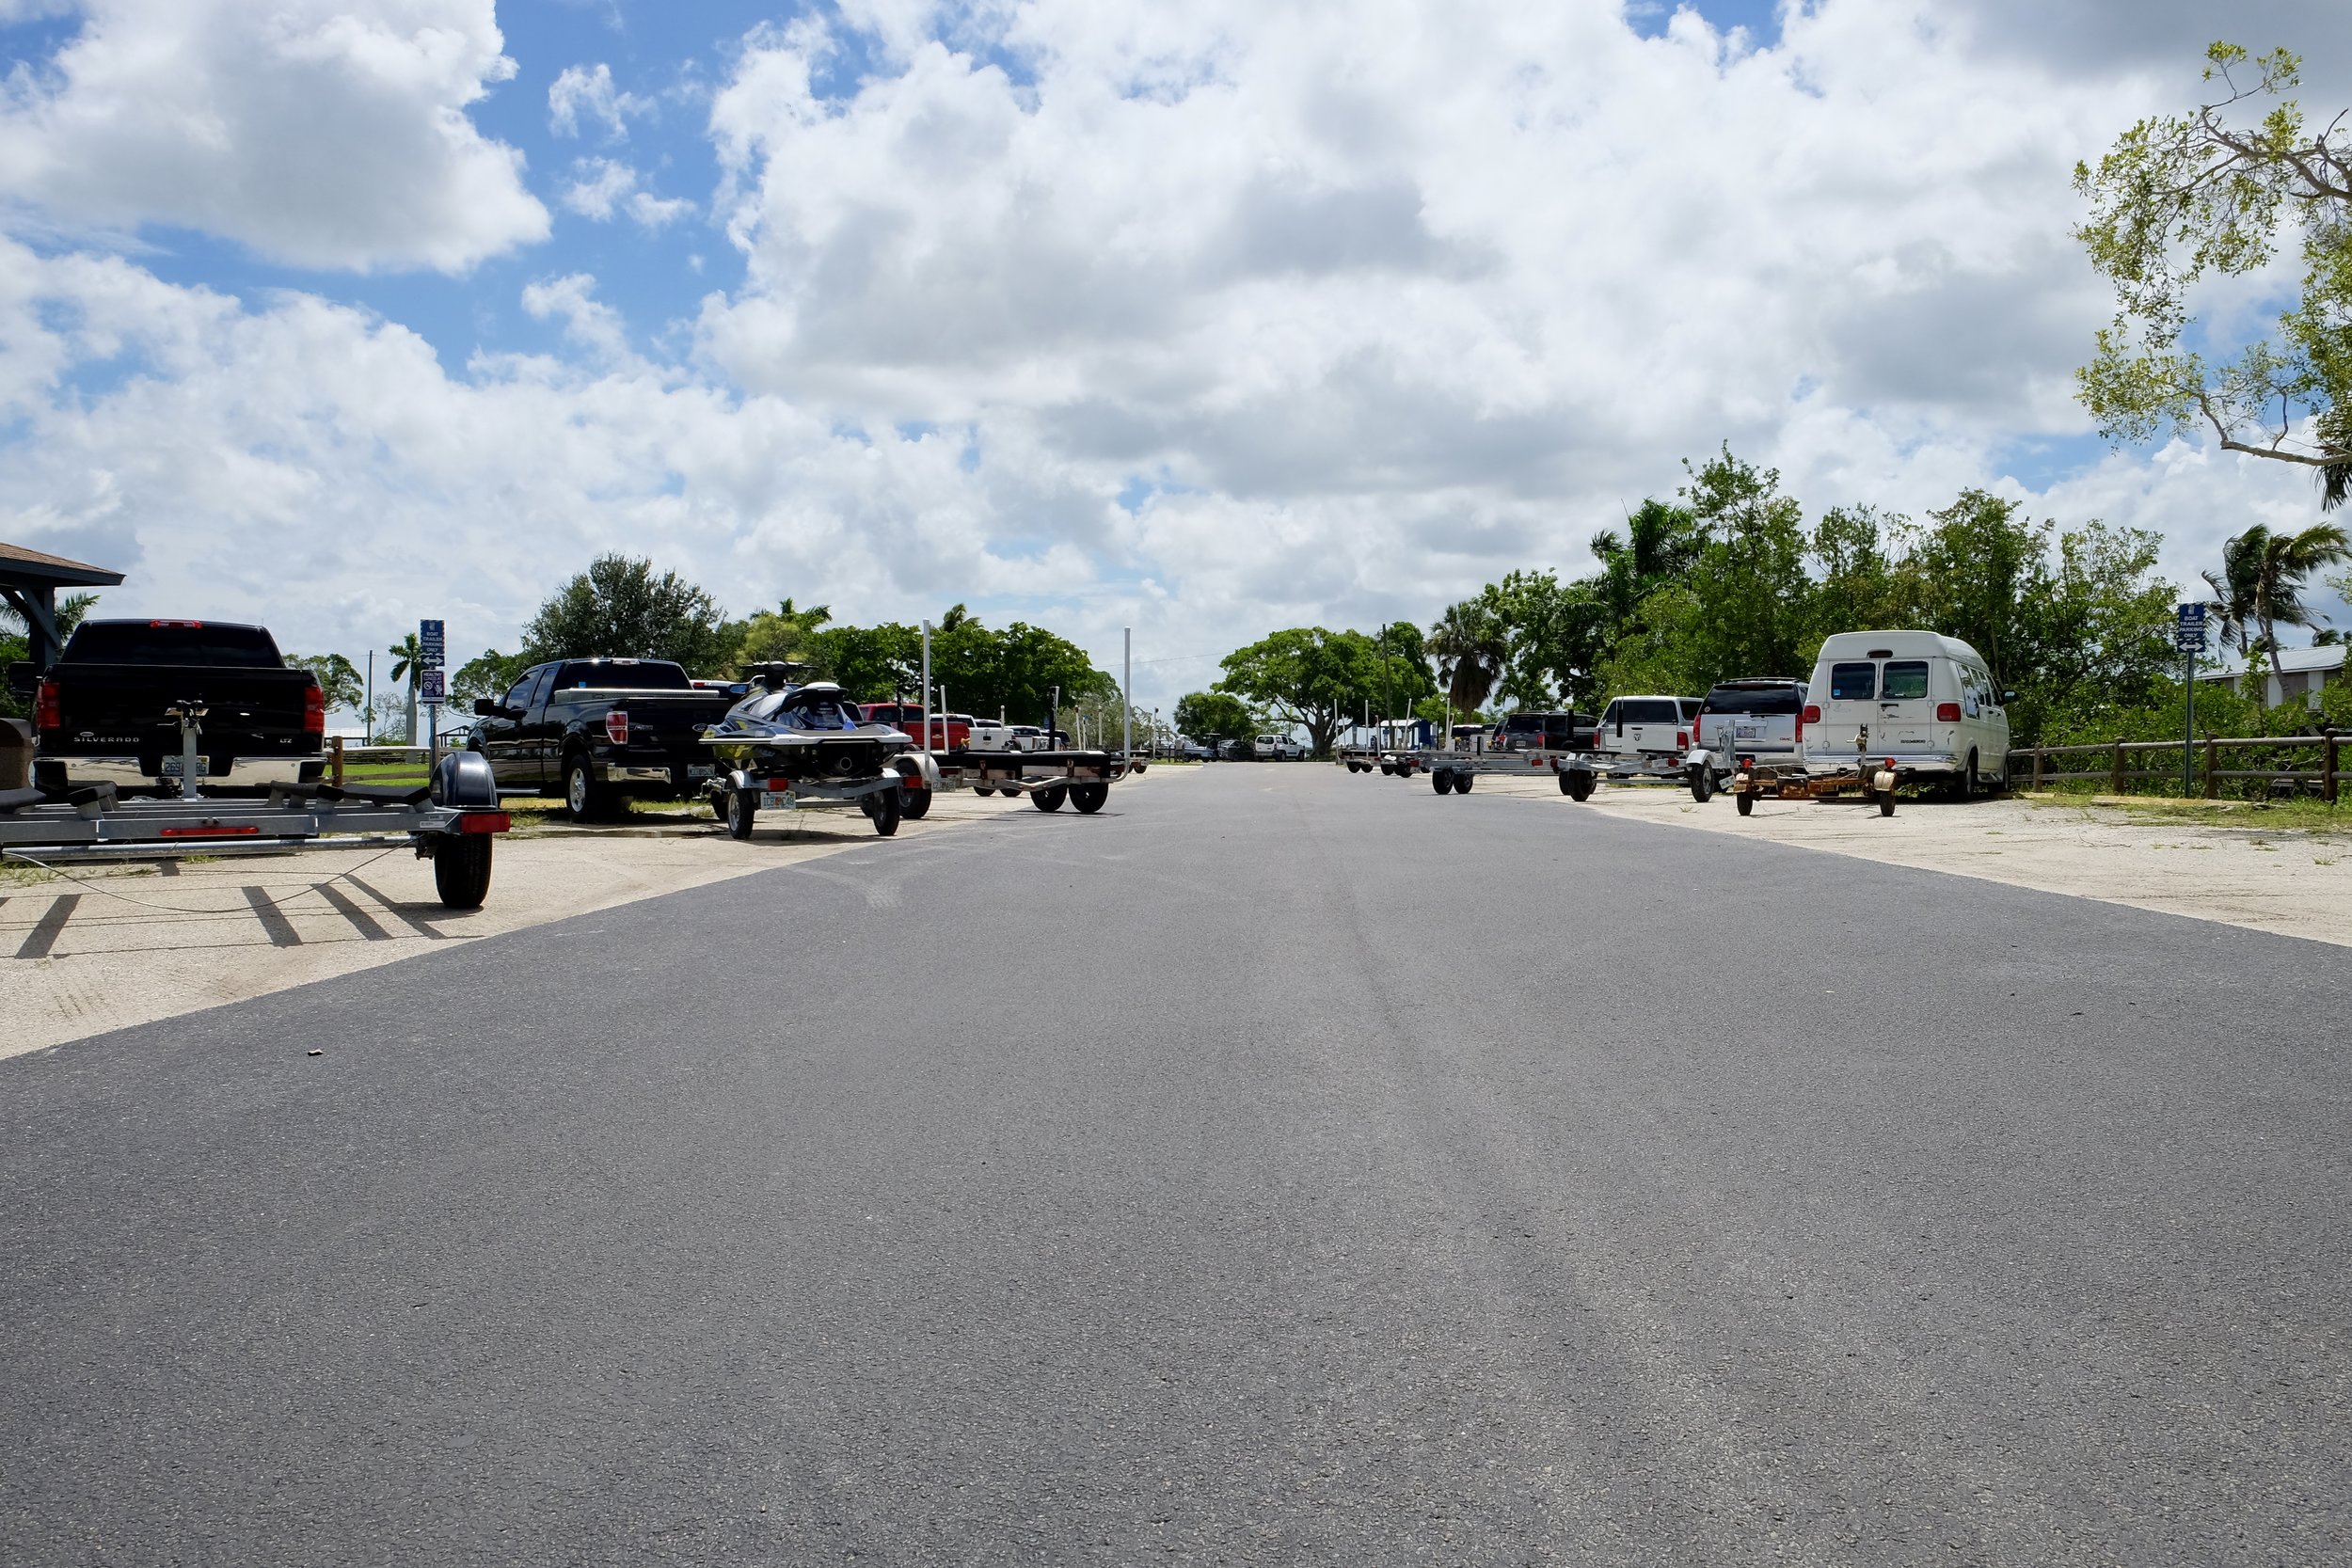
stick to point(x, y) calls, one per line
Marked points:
point(314, 711)
point(1812, 715)
point(46, 713)
point(1682, 739)
point(1948, 713)
point(616, 727)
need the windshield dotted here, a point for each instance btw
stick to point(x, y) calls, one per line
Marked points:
point(168, 643)
point(824, 711)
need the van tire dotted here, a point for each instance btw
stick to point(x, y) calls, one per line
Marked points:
point(1746, 803)
point(1970, 787)
point(1443, 781)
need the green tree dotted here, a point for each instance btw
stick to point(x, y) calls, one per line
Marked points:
point(1306, 676)
point(1471, 643)
point(1215, 716)
point(619, 609)
point(1397, 673)
point(785, 635)
point(1855, 551)
point(2181, 198)
point(339, 682)
point(2261, 581)
point(488, 674)
point(409, 665)
point(1747, 582)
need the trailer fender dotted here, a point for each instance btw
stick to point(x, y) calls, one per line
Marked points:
point(924, 768)
point(1884, 780)
point(739, 779)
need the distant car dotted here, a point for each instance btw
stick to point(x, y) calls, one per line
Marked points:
point(1761, 719)
point(1544, 732)
point(1235, 751)
point(1193, 750)
point(1929, 703)
point(947, 733)
point(987, 734)
point(1277, 748)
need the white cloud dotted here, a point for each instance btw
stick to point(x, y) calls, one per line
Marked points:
point(324, 132)
point(602, 187)
point(582, 94)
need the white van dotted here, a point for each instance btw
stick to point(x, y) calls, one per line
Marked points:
point(1927, 703)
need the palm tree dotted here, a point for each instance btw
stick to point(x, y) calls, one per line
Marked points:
point(2260, 587)
point(1472, 644)
point(409, 664)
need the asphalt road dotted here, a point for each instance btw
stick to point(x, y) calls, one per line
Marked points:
point(1284, 1166)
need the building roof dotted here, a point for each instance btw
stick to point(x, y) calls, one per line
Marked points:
point(2291, 661)
point(24, 568)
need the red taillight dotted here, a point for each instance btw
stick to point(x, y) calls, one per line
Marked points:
point(616, 727)
point(1948, 713)
point(1812, 715)
point(1682, 739)
point(486, 822)
point(46, 713)
point(314, 711)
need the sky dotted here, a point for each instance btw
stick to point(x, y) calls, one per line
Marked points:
point(1202, 319)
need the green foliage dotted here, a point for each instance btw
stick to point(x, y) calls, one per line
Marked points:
point(2181, 197)
point(339, 682)
point(1471, 643)
point(2259, 586)
point(1215, 716)
point(783, 635)
point(1014, 671)
point(488, 674)
point(1317, 679)
point(618, 609)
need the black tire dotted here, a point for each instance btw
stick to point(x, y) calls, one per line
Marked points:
point(1579, 786)
point(984, 789)
point(1746, 803)
point(1388, 770)
point(220, 767)
point(1971, 786)
point(1462, 782)
point(1886, 802)
point(1441, 781)
point(1563, 777)
point(718, 799)
point(915, 804)
point(1702, 784)
point(584, 799)
point(461, 870)
point(1089, 798)
point(742, 810)
point(888, 806)
point(1048, 799)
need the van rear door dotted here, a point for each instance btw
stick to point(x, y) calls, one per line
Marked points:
point(1850, 709)
point(1906, 709)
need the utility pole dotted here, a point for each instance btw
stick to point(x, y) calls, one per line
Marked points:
point(367, 719)
point(1127, 696)
point(926, 689)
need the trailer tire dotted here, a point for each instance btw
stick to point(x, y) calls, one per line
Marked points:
point(1577, 785)
point(743, 810)
point(1746, 803)
point(1702, 784)
point(1048, 799)
point(1388, 770)
point(461, 870)
point(886, 806)
point(1089, 798)
point(1886, 802)
point(1443, 781)
point(1463, 781)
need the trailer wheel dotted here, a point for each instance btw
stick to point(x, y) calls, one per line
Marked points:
point(886, 809)
point(984, 789)
point(1886, 802)
point(1388, 770)
point(1463, 781)
point(1089, 798)
point(1048, 799)
point(461, 870)
point(742, 809)
point(1702, 784)
point(1441, 781)
point(1746, 803)
point(1578, 784)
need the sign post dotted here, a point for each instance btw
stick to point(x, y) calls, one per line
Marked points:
point(432, 688)
point(2188, 636)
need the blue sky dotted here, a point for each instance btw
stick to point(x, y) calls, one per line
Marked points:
point(1201, 318)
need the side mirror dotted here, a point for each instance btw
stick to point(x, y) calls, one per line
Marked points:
point(2007, 697)
point(24, 678)
point(486, 707)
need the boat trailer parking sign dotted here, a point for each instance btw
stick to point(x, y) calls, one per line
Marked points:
point(432, 685)
point(2188, 632)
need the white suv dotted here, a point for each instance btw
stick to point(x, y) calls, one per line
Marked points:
point(1279, 748)
point(1760, 719)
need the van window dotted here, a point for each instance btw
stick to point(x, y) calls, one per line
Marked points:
point(1756, 699)
point(1905, 678)
point(1853, 683)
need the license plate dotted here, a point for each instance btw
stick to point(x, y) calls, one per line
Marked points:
point(171, 768)
point(1748, 732)
point(699, 769)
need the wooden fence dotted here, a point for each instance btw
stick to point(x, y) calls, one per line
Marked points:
point(2148, 764)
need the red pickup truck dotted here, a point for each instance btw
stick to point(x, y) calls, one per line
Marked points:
point(950, 732)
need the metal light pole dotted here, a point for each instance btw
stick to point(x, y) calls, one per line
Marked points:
point(926, 689)
point(1127, 696)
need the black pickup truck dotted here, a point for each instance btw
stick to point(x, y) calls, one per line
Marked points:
point(111, 691)
point(598, 729)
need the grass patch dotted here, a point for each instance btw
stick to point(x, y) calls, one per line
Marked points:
point(2299, 816)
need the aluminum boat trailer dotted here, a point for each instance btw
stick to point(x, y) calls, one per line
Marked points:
point(1456, 772)
point(1048, 778)
point(451, 822)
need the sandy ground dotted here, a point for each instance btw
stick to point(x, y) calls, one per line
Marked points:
point(2233, 870)
point(127, 945)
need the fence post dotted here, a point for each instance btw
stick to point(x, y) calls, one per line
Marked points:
point(2037, 769)
point(2213, 765)
point(339, 762)
point(2115, 768)
point(2328, 765)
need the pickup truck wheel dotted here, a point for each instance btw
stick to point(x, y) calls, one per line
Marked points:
point(1089, 798)
point(743, 808)
point(885, 810)
point(1702, 784)
point(583, 798)
point(461, 870)
point(1048, 799)
point(1746, 803)
point(1442, 781)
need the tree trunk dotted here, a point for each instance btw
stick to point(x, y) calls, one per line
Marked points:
point(2278, 671)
